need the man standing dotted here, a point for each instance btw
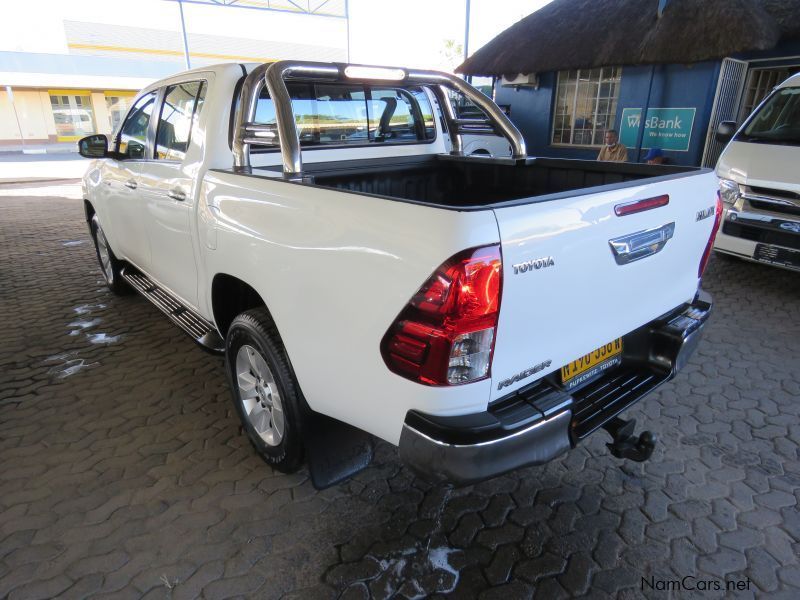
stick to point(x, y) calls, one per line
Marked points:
point(613, 151)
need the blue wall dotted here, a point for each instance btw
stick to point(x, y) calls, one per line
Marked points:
point(674, 86)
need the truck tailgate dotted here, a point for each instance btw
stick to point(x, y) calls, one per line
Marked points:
point(564, 292)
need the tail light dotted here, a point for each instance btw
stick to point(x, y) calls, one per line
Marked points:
point(711, 238)
point(445, 334)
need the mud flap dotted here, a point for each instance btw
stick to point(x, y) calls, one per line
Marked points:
point(336, 450)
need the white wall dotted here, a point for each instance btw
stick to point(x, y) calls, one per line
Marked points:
point(33, 110)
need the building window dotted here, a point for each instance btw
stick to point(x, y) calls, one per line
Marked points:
point(760, 82)
point(73, 114)
point(586, 105)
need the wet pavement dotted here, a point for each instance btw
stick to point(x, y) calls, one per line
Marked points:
point(124, 473)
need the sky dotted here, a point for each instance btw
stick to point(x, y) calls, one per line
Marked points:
point(412, 33)
point(407, 33)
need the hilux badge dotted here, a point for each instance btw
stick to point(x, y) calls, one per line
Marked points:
point(705, 214)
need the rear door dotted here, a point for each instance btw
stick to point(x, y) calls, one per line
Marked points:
point(566, 292)
point(167, 188)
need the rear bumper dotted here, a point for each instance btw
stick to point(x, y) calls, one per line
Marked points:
point(539, 422)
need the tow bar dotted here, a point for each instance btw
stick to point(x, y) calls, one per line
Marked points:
point(626, 444)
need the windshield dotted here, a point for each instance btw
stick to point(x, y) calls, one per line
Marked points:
point(777, 121)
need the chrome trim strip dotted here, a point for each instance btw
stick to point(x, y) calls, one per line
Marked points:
point(759, 218)
point(771, 200)
point(527, 430)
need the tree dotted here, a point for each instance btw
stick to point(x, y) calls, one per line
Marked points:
point(452, 53)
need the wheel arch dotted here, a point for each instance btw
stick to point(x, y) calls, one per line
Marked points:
point(231, 296)
point(88, 210)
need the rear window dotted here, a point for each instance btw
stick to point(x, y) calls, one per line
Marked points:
point(336, 114)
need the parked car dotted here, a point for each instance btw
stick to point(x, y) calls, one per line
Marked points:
point(760, 181)
point(481, 313)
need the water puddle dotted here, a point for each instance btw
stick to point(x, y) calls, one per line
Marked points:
point(84, 324)
point(68, 364)
point(85, 309)
point(422, 570)
point(409, 572)
point(70, 367)
point(439, 559)
point(103, 338)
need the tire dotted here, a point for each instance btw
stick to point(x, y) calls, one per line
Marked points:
point(110, 265)
point(262, 381)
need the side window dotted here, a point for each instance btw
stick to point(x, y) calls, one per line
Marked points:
point(426, 111)
point(133, 135)
point(182, 104)
point(394, 116)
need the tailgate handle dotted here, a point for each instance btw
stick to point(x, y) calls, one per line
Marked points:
point(641, 244)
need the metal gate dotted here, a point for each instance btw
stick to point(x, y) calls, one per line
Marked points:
point(732, 76)
point(760, 83)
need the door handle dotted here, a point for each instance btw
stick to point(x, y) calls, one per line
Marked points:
point(131, 183)
point(641, 244)
point(177, 194)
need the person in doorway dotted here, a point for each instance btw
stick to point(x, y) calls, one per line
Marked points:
point(655, 156)
point(613, 151)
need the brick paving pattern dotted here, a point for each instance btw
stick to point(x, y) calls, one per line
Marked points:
point(124, 473)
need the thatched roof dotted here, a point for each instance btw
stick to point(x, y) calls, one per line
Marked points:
point(569, 34)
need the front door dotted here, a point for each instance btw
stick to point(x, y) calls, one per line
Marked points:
point(128, 232)
point(167, 188)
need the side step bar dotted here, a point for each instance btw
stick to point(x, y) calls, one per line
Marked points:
point(195, 326)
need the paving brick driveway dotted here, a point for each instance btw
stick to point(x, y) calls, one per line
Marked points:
point(124, 472)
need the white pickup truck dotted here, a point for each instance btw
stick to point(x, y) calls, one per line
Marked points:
point(321, 225)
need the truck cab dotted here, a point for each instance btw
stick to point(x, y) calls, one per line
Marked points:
point(760, 182)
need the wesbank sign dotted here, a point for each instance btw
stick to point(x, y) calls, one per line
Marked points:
point(665, 128)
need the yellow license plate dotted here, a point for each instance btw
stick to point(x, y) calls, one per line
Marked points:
point(589, 365)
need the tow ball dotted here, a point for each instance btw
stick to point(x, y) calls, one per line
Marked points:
point(628, 445)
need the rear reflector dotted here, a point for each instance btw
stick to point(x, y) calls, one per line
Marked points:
point(445, 334)
point(711, 238)
point(638, 206)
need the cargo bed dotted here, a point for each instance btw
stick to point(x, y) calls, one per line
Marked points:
point(473, 182)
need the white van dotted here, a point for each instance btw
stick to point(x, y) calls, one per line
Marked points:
point(759, 175)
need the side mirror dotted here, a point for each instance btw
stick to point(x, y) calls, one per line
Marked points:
point(725, 131)
point(93, 146)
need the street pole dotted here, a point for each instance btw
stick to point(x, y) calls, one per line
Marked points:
point(16, 116)
point(185, 41)
point(466, 35)
point(347, 19)
point(466, 32)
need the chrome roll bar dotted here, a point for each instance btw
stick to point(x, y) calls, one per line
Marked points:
point(274, 76)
